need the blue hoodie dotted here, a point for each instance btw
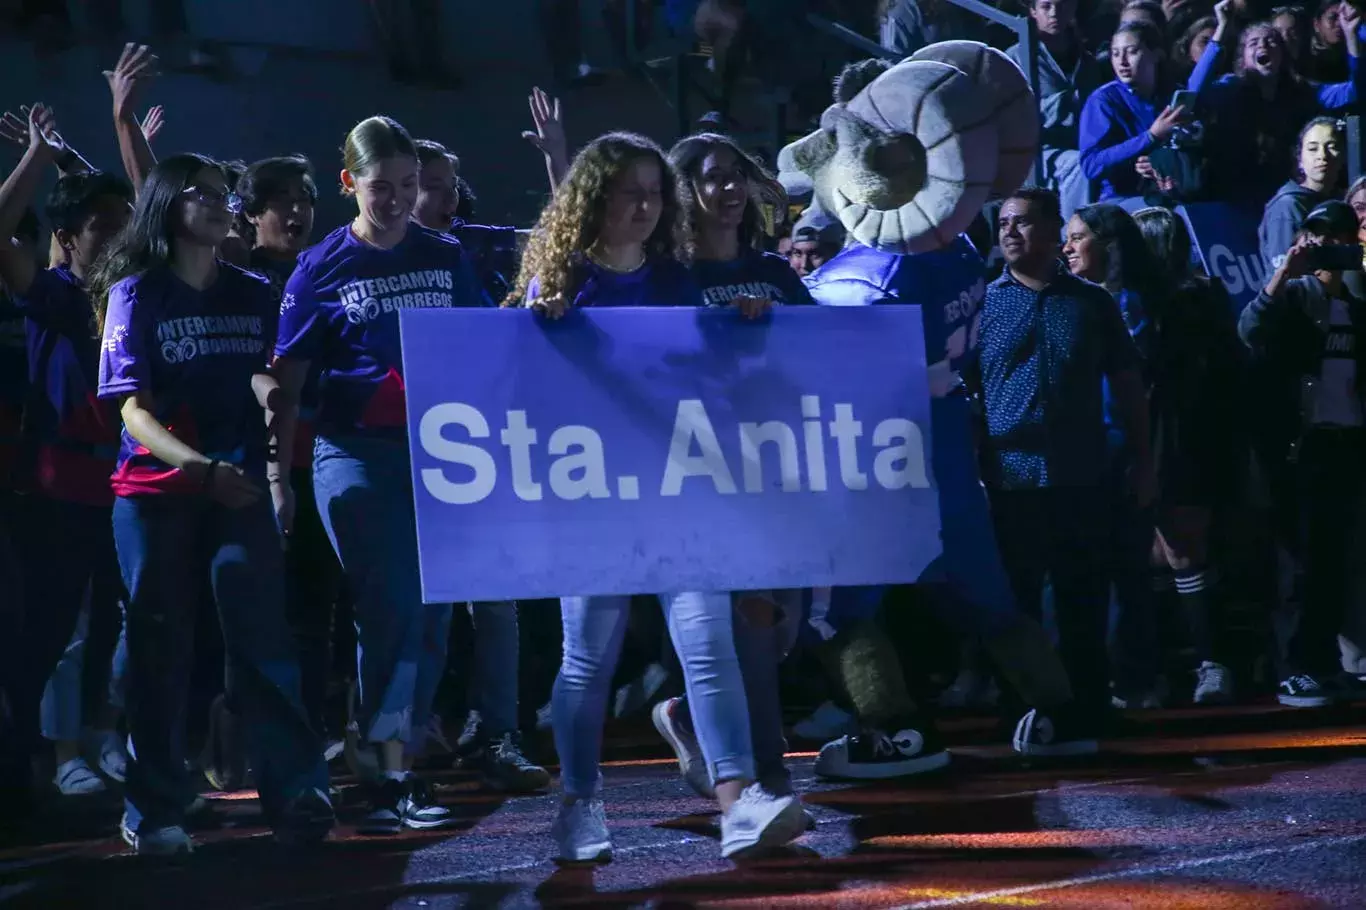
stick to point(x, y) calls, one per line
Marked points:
point(1112, 136)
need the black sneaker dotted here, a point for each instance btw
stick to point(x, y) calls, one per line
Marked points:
point(305, 820)
point(387, 801)
point(1303, 691)
point(418, 808)
point(469, 748)
point(1054, 735)
point(876, 755)
point(506, 768)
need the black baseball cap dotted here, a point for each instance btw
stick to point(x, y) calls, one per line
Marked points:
point(1333, 218)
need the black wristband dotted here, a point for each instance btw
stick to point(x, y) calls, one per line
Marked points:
point(208, 475)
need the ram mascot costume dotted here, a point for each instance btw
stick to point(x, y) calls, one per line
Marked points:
point(906, 162)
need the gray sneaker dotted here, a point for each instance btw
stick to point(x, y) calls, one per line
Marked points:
point(580, 831)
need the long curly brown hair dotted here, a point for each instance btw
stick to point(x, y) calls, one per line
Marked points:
point(687, 158)
point(570, 224)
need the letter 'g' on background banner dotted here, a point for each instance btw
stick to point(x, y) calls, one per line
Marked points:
point(648, 450)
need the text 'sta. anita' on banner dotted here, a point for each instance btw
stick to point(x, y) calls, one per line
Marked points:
point(639, 450)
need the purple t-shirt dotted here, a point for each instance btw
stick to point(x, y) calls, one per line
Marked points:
point(195, 352)
point(340, 311)
point(77, 434)
point(660, 282)
point(752, 274)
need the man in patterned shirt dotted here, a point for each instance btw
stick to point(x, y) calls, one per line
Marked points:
point(1048, 342)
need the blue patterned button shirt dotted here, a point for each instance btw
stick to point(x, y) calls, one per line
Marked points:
point(1044, 356)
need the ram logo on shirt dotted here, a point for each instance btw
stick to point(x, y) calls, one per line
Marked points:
point(364, 300)
point(187, 338)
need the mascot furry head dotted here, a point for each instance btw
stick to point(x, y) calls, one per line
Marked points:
point(907, 161)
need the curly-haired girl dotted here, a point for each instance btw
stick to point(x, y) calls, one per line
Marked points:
point(607, 238)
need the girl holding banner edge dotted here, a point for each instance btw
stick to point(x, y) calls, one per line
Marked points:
point(720, 230)
point(607, 239)
point(339, 313)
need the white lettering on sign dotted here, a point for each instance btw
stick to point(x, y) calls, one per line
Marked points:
point(773, 455)
point(1240, 274)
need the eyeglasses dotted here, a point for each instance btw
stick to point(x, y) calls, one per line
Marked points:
point(210, 196)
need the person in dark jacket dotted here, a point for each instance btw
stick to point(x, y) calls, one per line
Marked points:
point(1318, 168)
point(1305, 328)
point(1195, 366)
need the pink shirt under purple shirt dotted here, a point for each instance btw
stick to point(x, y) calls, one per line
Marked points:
point(340, 312)
point(195, 353)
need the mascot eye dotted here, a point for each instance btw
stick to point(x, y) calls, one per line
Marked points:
point(900, 160)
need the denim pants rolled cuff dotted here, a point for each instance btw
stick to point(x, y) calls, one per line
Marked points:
point(390, 726)
point(581, 789)
point(731, 767)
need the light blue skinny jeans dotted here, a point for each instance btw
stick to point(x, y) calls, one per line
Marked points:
point(702, 630)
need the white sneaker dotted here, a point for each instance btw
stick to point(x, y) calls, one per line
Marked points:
point(169, 841)
point(1214, 684)
point(580, 831)
point(760, 821)
point(691, 764)
point(825, 723)
point(76, 778)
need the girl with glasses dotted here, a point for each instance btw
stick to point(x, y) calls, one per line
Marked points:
point(186, 342)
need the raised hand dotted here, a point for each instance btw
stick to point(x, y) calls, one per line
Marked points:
point(136, 67)
point(1350, 19)
point(14, 127)
point(549, 135)
point(152, 123)
point(42, 130)
point(1223, 16)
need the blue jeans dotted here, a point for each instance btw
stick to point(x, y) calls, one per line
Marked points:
point(68, 705)
point(496, 655)
point(364, 490)
point(68, 553)
point(703, 635)
point(166, 545)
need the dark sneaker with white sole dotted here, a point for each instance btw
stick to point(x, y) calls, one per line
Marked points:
point(878, 755)
point(418, 808)
point(506, 768)
point(1053, 736)
point(1304, 691)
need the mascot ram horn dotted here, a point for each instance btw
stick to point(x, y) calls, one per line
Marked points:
point(907, 163)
